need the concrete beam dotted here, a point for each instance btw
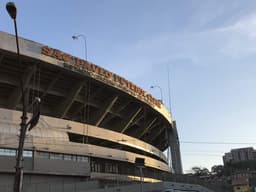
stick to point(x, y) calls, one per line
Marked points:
point(88, 101)
point(123, 106)
point(138, 118)
point(50, 86)
point(160, 138)
point(175, 149)
point(15, 96)
point(63, 107)
point(126, 123)
point(107, 119)
point(149, 124)
point(151, 129)
point(7, 79)
point(99, 117)
point(156, 132)
point(1, 58)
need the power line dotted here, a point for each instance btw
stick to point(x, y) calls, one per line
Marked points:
point(217, 143)
point(202, 155)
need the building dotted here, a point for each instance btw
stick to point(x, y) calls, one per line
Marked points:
point(94, 124)
point(238, 155)
point(244, 181)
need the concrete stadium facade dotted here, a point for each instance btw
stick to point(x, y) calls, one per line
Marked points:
point(93, 123)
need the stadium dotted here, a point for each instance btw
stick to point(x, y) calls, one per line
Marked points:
point(94, 124)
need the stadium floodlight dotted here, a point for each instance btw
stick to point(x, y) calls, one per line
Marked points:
point(75, 37)
point(157, 86)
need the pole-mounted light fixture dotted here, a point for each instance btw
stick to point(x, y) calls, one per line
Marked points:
point(161, 92)
point(75, 37)
point(11, 9)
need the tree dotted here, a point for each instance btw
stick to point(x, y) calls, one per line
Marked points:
point(217, 170)
point(200, 171)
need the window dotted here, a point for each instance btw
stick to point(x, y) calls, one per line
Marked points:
point(73, 157)
point(8, 152)
point(27, 153)
point(95, 166)
point(82, 158)
point(67, 157)
point(111, 168)
point(44, 155)
point(56, 156)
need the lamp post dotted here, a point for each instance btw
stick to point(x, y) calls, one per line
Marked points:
point(11, 8)
point(156, 86)
point(74, 37)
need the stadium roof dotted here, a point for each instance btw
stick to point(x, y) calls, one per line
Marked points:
point(74, 89)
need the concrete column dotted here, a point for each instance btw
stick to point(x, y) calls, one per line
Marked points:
point(175, 149)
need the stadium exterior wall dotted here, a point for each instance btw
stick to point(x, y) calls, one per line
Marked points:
point(56, 147)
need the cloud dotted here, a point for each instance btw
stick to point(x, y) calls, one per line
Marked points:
point(245, 26)
point(240, 37)
point(219, 45)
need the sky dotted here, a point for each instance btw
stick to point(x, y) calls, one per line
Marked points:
point(208, 47)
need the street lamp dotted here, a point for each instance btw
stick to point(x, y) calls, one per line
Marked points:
point(12, 10)
point(156, 86)
point(74, 37)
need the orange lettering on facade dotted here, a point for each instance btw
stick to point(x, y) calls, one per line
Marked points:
point(46, 51)
point(86, 66)
point(67, 58)
point(115, 78)
point(123, 81)
point(101, 72)
point(109, 75)
point(79, 63)
point(133, 87)
point(95, 68)
point(57, 54)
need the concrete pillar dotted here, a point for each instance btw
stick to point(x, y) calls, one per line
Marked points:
point(175, 149)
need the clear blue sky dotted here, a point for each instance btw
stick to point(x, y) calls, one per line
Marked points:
point(209, 46)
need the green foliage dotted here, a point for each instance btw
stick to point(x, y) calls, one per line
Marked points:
point(217, 170)
point(200, 171)
point(227, 170)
